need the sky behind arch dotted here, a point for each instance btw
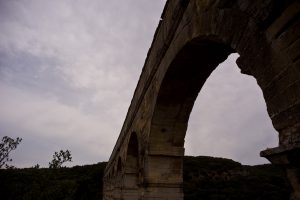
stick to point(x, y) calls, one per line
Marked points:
point(68, 70)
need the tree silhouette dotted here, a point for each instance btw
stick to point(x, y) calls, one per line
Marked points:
point(59, 158)
point(6, 146)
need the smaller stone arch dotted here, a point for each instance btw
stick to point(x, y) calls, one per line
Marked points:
point(131, 169)
point(118, 178)
point(119, 165)
point(115, 168)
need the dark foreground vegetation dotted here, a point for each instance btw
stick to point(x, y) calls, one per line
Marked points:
point(80, 182)
point(204, 178)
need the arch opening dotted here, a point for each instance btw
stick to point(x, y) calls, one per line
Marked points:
point(119, 166)
point(229, 118)
point(130, 180)
point(180, 87)
point(132, 150)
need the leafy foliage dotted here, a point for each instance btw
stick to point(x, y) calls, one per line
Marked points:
point(60, 158)
point(6, 146)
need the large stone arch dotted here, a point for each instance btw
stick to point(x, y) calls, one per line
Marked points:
point(192, 39)
point(177, 93)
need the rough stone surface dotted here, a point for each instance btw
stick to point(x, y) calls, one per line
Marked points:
point(192, 39)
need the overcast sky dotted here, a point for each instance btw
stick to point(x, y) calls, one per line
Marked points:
point(68, 70)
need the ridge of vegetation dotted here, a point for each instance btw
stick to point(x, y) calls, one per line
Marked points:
point(211, 178)
point(204, 178)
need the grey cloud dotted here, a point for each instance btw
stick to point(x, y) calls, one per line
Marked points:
point(55, 125)
point(68, 70)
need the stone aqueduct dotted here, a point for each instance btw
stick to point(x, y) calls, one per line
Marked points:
point(192, 39)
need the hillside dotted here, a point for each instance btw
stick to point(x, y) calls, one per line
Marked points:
point(79, 182)
point(210, 178)
point(204, 178)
